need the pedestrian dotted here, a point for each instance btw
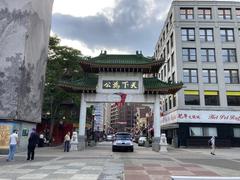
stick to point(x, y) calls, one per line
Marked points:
point(13, 141)
point(211, 142)
point(67, 142)
point(41, 140)
point(32, 142)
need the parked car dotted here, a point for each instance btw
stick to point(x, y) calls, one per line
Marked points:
point(142, 140)
point(122, 141)
point(109, 137)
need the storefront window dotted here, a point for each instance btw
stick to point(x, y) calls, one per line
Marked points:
point(236, 132)
point(209, 131)
point(196, 131)
point(203, 131)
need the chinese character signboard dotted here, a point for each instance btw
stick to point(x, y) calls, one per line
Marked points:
point(185, 116)
point(109, 84)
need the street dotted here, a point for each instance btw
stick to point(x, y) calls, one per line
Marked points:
point(100, 163)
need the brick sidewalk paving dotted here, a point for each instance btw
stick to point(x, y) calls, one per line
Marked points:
point(164, 171)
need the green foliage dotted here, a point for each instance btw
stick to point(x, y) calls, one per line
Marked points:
point(63, 64)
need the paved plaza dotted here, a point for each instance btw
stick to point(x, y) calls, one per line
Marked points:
point(100, 163)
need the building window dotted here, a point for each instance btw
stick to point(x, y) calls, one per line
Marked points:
point(204, 13)
point(172, 59)
point(208, 55)
point(170, 102)
point(173, 77)
point(164, 53)
point(168, 47)
point(231, 76)
point(224, 13)
point(236, 132)
point(170, 19)
point(186, 13)
point(189, 54)
point(206, 34)
point(191, 97)
point(190, 76)
point(188, 34)
point(211, 98)
point(209, 76)
point(238, 13)
point(166, 105)
point(233, 98)
point(164, 70)
point(171, 40)
point(229, 55)
point(168, 65)
point(162, 75)
point(203, 131)
point(227, 34)
point(167, 26)
point(174, 100)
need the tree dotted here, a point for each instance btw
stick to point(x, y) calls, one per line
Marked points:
point(63, 64)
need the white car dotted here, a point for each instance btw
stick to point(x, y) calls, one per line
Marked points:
point(109, 137)
point(122, 141)
point(142, 140)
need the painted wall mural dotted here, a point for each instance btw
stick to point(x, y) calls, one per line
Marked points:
point(5, 130)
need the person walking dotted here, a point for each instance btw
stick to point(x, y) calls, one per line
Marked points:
point(33, 140)
point(13, 141)
point(67, 142)
point(211, 142)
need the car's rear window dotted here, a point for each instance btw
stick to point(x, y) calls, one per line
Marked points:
point(123, 136)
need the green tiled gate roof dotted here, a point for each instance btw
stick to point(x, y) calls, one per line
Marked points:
point(121, 63)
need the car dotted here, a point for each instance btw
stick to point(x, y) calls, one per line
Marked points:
point(122, 141)
point(109, 137)
point(142, 140)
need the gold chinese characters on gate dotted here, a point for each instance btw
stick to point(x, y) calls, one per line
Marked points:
point(109, 84)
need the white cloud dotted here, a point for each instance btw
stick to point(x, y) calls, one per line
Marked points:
point(89, 52)
point(81, 8)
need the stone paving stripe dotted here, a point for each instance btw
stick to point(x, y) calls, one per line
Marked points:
point(51, 167)
point(151, 165)
point(136, 177)
point(223, 163)
point(155, 168)
point(84, 177)
point(154, 177)
point(134, 172)
point(182, 173)
point(29, 167)
point(158, 172)
point(176, 168)
point(33, 176)
point(102, 157)
point(148, 158)
point(134, 168)
point(66, 171)
point(204, 173)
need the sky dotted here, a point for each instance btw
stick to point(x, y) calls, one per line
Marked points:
point(117, 26)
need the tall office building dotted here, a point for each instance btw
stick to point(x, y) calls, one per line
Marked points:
point(200, 42)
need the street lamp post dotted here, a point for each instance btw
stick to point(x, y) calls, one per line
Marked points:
point(147, 141)
point(93, 121)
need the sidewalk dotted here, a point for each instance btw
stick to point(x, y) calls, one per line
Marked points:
point(100, 163)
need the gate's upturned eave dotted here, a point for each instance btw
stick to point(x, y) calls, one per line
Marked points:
point(155, 86)
point(121, 63)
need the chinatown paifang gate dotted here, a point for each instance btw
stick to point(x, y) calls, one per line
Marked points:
point(108, 74)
